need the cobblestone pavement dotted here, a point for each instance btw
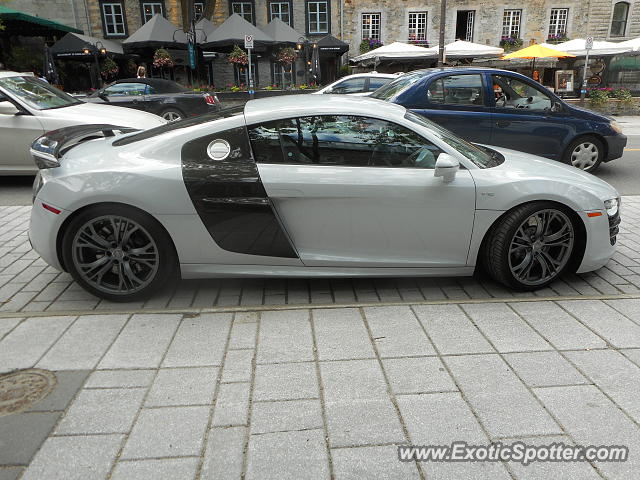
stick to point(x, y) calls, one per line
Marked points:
point(276, 379)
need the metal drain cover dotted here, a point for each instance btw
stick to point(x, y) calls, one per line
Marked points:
point(21, 389)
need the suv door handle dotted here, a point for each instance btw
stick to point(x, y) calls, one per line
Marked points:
point(503, 123)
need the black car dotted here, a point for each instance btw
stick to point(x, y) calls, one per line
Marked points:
point(163, 97)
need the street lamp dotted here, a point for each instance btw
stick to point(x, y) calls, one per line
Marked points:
point(303, 46)
point(95, 50)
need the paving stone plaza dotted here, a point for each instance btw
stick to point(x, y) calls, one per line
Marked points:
point(262, 379)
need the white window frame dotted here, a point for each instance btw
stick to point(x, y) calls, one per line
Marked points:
point(558, 21)
point(471, 20)
point(417, 26)
point(246, 8)
point(371, 25)
point(511, 21)
point(314, 24)
point(278, 13)
point(156, 7)
point(119, 28)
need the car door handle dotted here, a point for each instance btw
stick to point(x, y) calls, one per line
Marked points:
point(503, 123)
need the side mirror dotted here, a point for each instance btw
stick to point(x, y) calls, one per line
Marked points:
point(556, 107)
point(446, 167)
point(3, 98)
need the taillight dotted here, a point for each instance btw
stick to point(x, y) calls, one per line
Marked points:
point(210, 99)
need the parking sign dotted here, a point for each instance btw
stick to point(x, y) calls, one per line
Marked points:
point(248, 41)
point(588, 43)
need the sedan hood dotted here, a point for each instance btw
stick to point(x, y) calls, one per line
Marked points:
point(96, 113)
point(535, 176)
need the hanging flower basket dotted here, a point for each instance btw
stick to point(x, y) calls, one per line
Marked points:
point(560, 38)
point(109, 68)
point(286, 55)
point(369, 44)
point(162, 59)
point(238, 56)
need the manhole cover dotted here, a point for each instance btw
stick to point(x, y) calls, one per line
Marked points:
point(19, 390)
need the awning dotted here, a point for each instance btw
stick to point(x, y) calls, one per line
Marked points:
point(397, 51)
point(158, 32)
point(281, 32)
point(72, 44)
point(331, 44)
point(20, 23)
point(462, 49)
point(232, 31)
point(600, 48)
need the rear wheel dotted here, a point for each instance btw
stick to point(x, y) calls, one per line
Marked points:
point(118, 253)
point(531, 246)
point(585, 153)
point(172, 115)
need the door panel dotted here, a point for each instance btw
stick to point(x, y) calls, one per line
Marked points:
point(17, 132)
point(371, 216)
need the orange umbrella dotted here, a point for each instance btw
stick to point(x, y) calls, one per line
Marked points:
point(536, 51)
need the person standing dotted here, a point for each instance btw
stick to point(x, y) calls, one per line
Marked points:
point(142, 72)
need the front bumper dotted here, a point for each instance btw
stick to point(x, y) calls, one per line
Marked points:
point(615, 146)
point(600, 247)
point(43, 231)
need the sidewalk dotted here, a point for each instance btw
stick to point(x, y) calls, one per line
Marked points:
point(275, 379)
point(630, 124)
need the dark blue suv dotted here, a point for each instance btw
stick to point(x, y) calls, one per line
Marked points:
point(507, 109)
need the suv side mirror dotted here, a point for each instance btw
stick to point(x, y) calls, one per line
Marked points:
point(446, 167)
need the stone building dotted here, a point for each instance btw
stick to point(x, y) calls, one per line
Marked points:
point(73, 13)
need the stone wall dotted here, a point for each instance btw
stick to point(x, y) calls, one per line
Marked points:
point(68, 12)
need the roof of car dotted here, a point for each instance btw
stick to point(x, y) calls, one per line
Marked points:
point(9, 73)
point(305, 105)
point(160, 84)
point(432, 71)
point(372, 74)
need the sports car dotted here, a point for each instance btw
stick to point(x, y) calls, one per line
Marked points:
point(313, 186)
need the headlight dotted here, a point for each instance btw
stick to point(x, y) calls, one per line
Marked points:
point(615, 126)
point(611, 206)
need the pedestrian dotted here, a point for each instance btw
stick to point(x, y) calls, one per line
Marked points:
point(142, 72)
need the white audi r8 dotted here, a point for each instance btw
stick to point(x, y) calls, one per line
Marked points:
point(308, 186)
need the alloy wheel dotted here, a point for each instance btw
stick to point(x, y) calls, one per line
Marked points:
point(584, 155)
point(115, 255)
point(541, 247)
point(172, 116)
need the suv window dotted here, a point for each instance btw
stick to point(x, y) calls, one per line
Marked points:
point(457, 90)
point(353, 85)
point(344, 140)
point(513, 93)
point(121, 89)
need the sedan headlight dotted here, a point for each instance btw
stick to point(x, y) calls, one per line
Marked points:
point(612, 206)
point(615, 126)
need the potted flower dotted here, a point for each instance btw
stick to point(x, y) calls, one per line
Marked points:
point(109, 68)
point(286, 56)
point(557, 38)
point(238, 56)
point(369, 44)
point(510, 43)
point(162, 59)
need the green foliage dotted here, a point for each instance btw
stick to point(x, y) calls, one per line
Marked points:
point(598, 97)
point(25, 58)
point(344, 71)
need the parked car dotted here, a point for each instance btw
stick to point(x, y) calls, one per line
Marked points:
point(30, 107)
point(311, 186)
point(358, 84)
point(507, 109)
point(168, 99)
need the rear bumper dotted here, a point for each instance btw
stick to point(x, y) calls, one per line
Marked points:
point(615, 146)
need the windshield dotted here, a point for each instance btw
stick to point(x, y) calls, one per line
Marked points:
point(36, 93)
point(392, 89)
point(482, 157)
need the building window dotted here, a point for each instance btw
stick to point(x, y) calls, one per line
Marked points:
point(149, 9)
point(558, 22)
point(619, 20)
point(244, 9)
point(113, 19)
point(317, 17)
point(511, 23)
point(281, 10)
point(282, 74)
point(418, 27)
point(198, 10)
point(371, 26)
point(241, 73)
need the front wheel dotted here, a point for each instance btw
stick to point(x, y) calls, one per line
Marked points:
point(172, 115)
point(585, 153)
point(531, 246)
point(118, 253)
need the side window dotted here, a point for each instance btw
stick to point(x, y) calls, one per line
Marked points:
point(121, 89)
point(375, 83)
point(513, 93)
point(149, 90)
point(341, 140)
point(353, 85)
point(457, 90)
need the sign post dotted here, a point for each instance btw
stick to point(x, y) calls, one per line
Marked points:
point(588, 45)
point(248, 45)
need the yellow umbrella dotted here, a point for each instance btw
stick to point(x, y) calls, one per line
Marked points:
point(536, 51)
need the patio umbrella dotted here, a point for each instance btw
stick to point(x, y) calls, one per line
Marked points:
point(600, 48)
point(232, 31)
point(536, 51)
point(49, 67)
point(395, 51)
point(156, 33)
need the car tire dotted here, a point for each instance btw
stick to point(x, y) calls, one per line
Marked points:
point(585, 153)
point(531, 246)
point(138, 260)
point(172, 114)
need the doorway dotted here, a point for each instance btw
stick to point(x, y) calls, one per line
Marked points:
point(464, 25)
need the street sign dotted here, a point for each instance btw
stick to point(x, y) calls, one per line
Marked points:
point(588, 43)
point(192, 56)
point(248, 41)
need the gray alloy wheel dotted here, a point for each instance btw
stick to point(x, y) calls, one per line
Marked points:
point(541, 247)
point(172, 115)
point(115, 255)
point(585, 155)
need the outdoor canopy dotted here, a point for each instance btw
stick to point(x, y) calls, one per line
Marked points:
point(330, 44)
point(20, 23)
point(232, 31)
point(158, 32)
point(72, 44)
point(600, 48)
point(204, 27)
point(280, 32)
point(462, 49)
point(396, 51)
